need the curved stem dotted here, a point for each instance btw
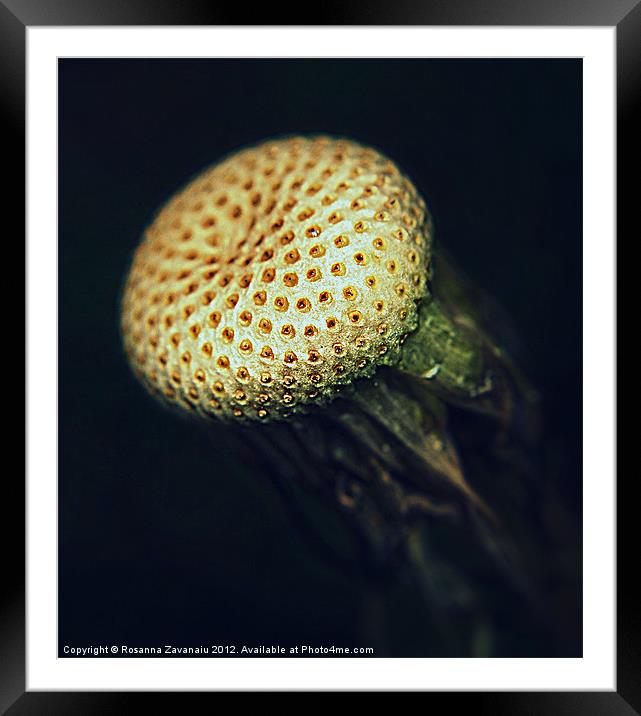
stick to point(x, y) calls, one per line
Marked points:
point(446, 353)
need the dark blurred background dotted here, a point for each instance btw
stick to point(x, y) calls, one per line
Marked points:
point(160, 543)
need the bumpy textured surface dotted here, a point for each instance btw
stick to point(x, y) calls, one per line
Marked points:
point(275, 277)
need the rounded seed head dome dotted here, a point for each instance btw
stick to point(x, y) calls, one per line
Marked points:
point(276, 276)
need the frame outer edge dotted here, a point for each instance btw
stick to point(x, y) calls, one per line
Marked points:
point(12, 119)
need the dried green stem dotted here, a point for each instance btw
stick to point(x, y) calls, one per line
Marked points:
point(445, 353)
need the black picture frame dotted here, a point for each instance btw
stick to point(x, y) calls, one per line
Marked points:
point(17, 15)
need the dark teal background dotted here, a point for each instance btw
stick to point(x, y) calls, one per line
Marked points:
point(159, 541)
